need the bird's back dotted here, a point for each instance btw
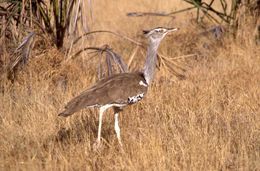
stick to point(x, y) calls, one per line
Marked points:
point(121, 89)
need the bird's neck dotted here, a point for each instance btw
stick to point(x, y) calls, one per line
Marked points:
point(150, 62)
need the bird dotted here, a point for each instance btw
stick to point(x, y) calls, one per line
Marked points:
point(120, 90)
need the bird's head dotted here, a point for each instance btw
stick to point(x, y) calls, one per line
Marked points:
point(157, 34)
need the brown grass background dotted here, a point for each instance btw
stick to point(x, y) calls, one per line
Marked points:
point(208, 121)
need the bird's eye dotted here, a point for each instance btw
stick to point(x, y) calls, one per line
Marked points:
point(158, 31)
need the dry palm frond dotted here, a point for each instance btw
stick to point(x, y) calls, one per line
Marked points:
point(159, 14)
point(20, 55)
point(113, 61)
point(108, 31)
point(172, 66)
point(75, 41)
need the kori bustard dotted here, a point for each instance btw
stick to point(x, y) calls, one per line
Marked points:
point(121, 89)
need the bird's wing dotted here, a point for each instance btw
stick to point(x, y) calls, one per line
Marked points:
point(119, 89)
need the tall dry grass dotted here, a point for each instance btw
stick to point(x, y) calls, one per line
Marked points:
point(209, 121)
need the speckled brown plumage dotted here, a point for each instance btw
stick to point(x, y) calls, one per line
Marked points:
point(116, 89)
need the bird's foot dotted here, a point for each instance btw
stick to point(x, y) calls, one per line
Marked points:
point(121, 147)
point(120, 143)
point(97, 145)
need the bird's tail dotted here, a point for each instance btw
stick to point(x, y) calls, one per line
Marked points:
point(76, 104)
point(65, 113)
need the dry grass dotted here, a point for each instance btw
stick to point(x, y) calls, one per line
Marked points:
point(209, 121)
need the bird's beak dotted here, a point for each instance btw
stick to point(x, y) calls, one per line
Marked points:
point(172, 29)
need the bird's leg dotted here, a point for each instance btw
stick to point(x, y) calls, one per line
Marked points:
point(117, 129)
point(101, 111)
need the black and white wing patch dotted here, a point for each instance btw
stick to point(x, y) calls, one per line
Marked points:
point(134, 99)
